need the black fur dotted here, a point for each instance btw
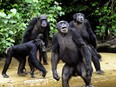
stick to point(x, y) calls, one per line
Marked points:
point(69, 47)
point(20, 52)
point(83, 27)
point(38, 26)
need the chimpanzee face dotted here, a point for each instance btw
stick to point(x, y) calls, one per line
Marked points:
point(40, 44)
point(79, 17)
point(43, 20)
point(62, 26)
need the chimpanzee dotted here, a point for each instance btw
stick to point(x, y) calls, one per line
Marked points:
point(38, 25)
point(69, 47)
point(20, 52)
point(83, 26)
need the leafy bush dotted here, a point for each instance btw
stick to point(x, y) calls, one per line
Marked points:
point(107, 21)
point(14, 21)
point(11, 28)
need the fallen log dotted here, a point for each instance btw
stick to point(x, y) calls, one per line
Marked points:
point(108, 46)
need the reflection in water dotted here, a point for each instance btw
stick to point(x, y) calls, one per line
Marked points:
point(108, 79)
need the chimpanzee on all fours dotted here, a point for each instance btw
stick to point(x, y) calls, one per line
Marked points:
point(83, 27)
point(69, 47)
point(38, 26)
point(20, 52)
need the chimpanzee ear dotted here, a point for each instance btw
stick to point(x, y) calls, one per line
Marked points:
point(83, 15)
point(74, 16)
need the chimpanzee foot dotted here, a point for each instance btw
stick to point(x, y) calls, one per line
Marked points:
point(89, 86)
point(99, 72)
point(22, 73)
point(45, 63)
point(32, 76)
point(5, 75)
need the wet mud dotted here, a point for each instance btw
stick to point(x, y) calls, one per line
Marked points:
point(108, 79)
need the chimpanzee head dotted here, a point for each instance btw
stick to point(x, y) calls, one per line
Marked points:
point(62, 26)
point(40, 44)
point(79, 17)
point(43, 20)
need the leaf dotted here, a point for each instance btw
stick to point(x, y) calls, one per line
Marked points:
point(10, 39)
point(29, 1)
point(13, 11)
point(2, 14)
point(11, 32)
point(12, 21)
point(5, 21)
point(35, 1)
point(59, 8)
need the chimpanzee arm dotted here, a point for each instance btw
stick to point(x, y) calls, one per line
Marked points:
point(35, 61)
point(83, 49)
point(46, 35)
point(28, 31)
point(7, 62)
point(76, 37)
point(93, 39)
point(72, 24)
point(55, 59)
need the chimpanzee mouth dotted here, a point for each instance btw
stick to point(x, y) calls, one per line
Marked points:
point(64, 30)
point(44, 25)
point(81, 20)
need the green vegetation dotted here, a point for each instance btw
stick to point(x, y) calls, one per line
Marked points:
point(15, 15)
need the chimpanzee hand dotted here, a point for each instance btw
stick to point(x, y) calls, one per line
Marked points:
point(44, 73)
point(55, 75)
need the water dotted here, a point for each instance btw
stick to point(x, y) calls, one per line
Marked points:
point(108, 79)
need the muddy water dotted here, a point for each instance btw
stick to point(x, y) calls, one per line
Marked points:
point(108, 79)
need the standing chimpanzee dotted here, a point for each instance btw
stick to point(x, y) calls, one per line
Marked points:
point(20, 52)
point(69, 47)
point(38, 25)
point(83, 26)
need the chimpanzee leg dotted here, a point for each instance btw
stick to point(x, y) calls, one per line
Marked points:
point(31, 68)
point(37, 65)
point(86, 58)
point(82, 70)
point(45, 58)
point(66, 75)
point(40, 56)
point(96, 61)
point(96, 53)
point(87, 81)
point(22, 61)
point(7, 63)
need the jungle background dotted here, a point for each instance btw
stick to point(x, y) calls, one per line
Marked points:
point(15, 15)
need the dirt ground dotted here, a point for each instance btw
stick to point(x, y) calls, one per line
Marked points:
point(108, 79)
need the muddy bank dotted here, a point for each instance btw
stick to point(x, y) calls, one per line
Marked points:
point(108, 79)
